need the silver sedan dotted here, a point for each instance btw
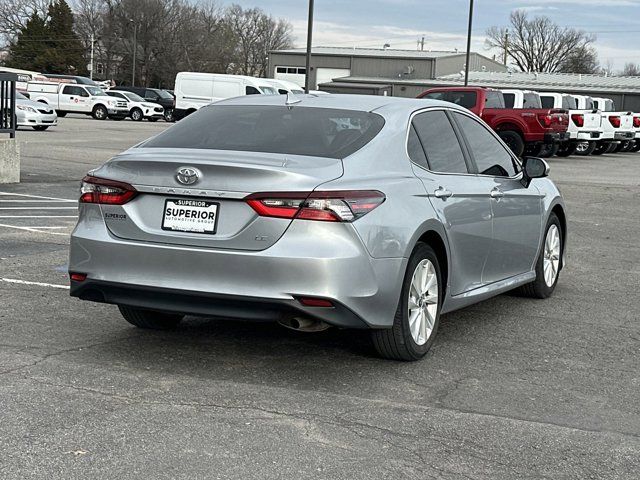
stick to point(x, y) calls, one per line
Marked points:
point(36, 115)
point(316, 211)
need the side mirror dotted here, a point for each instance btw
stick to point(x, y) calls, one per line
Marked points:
point(533, 167)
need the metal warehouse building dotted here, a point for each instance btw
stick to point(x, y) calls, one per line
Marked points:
point(624, 91)
point(329, 63)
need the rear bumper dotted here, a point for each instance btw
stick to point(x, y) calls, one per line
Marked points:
point(586, 136)
point(312, 259)
point(624, 135)
point(555, 137)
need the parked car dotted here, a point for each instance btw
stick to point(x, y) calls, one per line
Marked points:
point(164, 98)
point(73, 98)
point(618, 131)
point(584, 124)
point(523, 130)
point(139, 109)
point(195, 90)
point(636, 127)
point(284, 87)
point(252, 208)
point(34, 114)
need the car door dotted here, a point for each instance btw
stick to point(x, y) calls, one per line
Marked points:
point(516, 210)
point(69, 98)
point(463, 208)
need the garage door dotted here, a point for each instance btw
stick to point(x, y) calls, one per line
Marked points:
point(324, 75)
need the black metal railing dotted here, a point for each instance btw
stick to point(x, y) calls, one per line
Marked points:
point(8, 103)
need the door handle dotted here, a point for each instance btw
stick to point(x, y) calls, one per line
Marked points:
point(442, 192)
point(496, 193)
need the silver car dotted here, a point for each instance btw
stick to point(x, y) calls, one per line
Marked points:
point(36, 115)
point(315, 211)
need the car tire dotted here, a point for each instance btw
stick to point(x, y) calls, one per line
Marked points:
point(168, 116)
point(513, 140)
point(585, 148)
point(61, 114)
point(567, 149)
point(636, 146)
point(613, 147)
point(549, 262)
point(549, 150)
point(136, 115)
point(627, 146)
point(150, 319)
point(40, 128)
point(601, 148)
point(405, 340)
point(99, 112)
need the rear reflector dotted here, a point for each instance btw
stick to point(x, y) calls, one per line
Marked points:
point(78, 277)
point(578, 119)
point(325, 206)
point(315, 302)
point(545, 120)
point(636, 122)
point(615, 121)
point(105, 192)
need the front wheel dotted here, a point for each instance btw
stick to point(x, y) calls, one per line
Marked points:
point(40, 128)
point(100, 112)
point(418, 314)
point(549, 262)
point(168, 116)
point(150, 319)
point(513, 140)
point(136, 115)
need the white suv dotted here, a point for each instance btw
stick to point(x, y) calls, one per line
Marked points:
point(139, 108)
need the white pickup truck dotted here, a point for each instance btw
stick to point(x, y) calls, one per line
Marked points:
point(584, 122)
point(636, 126)
point(618, 131)
point(74, 98)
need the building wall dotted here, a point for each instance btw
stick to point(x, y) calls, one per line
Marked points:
point(455, 64)
point(317, 61)
point(392, 67)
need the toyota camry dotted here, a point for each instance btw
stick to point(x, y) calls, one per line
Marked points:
point(315, 211)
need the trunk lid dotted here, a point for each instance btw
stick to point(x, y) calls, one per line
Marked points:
point(225, 178)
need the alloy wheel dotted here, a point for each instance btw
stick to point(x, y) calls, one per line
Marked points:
point(423, 302)
point(551, 260)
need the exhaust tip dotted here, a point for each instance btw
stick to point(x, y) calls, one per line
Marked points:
point(302, 324)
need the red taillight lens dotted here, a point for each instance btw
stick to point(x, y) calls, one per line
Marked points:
point(106, 192)
point(578, 119)
point(545, 120)
point(336, 206)
point(78, 277)
point(615, 121)
point(636, 122)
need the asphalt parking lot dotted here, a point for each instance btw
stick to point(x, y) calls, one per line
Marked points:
point(513, 387)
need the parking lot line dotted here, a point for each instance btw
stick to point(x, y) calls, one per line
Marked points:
point(38, 284)
point(31, 201)
point(35, 229)
point(38, 216)
point(37, 196)
point(38, 208)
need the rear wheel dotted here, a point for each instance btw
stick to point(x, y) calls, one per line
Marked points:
point(585, 148)
point(636, 146)
point(548, 263)
point(150, 319)
point(513, 140)
point(567, 149)
point(613, 148)
point(99, 112)
point(418, 314)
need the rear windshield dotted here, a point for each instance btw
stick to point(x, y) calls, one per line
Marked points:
point(532, 100)
point(547, 102)
point(318, 132)
point(463, 98)
point(494, 99)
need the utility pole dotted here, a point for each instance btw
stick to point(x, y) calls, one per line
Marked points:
point(506, 46)
point(91, 61)
point(307, 78)
point(466, 66)
point(135, 49)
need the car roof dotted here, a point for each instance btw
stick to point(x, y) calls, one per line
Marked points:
point(366, 103)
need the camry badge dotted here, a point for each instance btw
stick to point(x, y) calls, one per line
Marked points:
point(187, 175)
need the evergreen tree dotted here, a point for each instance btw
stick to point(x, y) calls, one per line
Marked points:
point(65, 52)
point(31, 45)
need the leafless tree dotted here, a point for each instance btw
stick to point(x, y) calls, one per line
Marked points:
point(630, 70)
point(14, 15)
point(581, 60)
point(538, 44)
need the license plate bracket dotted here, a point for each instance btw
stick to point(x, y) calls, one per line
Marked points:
point(190, 216)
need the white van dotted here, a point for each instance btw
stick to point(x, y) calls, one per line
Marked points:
point(195, 90)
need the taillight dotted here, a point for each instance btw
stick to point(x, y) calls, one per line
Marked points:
point(615, 121)
point(326, 206)
point(545, 120)
point(106, 192)
point(636, 122)
point(578, 119)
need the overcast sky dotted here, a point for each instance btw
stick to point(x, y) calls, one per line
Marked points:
point(364, 23)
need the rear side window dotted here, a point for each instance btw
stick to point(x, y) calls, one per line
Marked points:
point(252, 91)
point(509, 100)
point(494, 99)
point(569, 103)
point(532, 100)
point(490, 156)
point(415, 150)
point(547, 102)
point(436, 96)
point(319, 132)
point(440, 142)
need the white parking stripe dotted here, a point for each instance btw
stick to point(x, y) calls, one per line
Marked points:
point(38, 284)
point(34, 201)
point(39, 216)
point(35, 229)
point(37, 196)
point(38, 208)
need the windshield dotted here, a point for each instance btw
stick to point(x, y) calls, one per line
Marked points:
point(95, 91)
point(164, 94)
point(317, 132)
point(20, 96)
point(268, 90)
point(134, 97)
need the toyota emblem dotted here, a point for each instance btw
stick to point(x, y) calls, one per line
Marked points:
point(187, 175)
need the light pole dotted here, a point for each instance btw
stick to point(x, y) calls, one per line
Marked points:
point(466, 67)
point(135, 49)
point(307, 78)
